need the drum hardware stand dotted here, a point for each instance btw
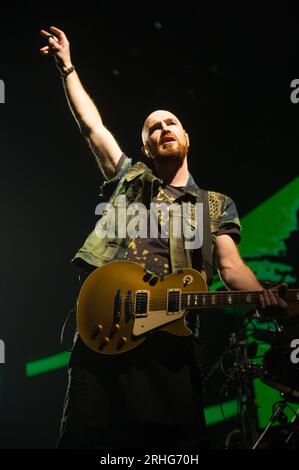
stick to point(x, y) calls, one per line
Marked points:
point(280, 375)
point(245, 370)
point(240, 377)
point(242, 373)
point(295, 421)
point(278, 415)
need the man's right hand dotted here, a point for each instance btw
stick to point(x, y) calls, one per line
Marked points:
point(103, 144)
point(58, 46)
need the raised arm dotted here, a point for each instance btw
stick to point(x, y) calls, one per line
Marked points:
point(100, 139)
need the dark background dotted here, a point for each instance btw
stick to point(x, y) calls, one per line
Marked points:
point(225, 71)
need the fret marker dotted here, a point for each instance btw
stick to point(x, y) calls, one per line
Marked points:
point(229, 299)
point(213, 299)
point(188, 300)
point(248, 298)
point(195, 300)
point(204, 300)
point(297, 295)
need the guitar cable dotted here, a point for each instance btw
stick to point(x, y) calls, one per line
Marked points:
point(81, 278)
point(62, 343)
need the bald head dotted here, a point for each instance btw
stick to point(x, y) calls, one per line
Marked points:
point(154, 118)
point(164, 137)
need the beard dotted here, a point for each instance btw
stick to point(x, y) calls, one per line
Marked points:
point(174, 152)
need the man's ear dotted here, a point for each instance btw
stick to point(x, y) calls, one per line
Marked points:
point(187, 138)
point(145, 151)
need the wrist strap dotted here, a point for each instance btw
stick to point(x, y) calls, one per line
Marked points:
point(65, 73)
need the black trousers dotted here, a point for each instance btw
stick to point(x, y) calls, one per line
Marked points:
point(84, 423)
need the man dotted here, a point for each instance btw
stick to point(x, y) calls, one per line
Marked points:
point(151, 396)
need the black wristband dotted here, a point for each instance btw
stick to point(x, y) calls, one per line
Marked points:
point(65, 73)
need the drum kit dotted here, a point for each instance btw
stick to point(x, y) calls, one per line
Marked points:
point(241, 363)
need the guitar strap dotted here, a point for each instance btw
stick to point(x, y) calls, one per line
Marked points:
point(203, 257)
point(202, 260)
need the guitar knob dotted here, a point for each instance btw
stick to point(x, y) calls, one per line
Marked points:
point(122, 341)
point(104, 342)
point(96, 331)
point(115, 327)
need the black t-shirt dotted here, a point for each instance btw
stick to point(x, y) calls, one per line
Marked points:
point(153, 253)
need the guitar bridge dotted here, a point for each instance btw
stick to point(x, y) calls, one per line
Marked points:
point(128, 306)
point(117, 306)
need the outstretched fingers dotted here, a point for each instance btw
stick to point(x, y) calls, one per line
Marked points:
point(47, 35)
point(44, 50)
point(57, 44)
point(54, 44)
point(58, 32)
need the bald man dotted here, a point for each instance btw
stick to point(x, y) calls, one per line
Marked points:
point(149, 397)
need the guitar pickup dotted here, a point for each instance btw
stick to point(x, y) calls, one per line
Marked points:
point(117, 306)
point(173, 301)
point(141, 303)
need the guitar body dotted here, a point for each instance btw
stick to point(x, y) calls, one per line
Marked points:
point(120, 303)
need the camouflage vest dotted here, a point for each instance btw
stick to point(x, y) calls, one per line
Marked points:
point(139, 184)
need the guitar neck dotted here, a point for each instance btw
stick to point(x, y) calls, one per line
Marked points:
point(231, 298)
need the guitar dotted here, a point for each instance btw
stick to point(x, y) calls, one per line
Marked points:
point(120, 303)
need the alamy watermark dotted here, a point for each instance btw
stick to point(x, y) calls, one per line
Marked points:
point(2, 352)
point(295, 353)
point(294, 96)
point(2, 91)
point(121, 219)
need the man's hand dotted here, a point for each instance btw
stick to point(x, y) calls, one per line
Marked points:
point(237, 276)
point(58, 46)
point(271, 301)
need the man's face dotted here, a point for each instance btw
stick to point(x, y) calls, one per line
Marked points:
point(164, 137)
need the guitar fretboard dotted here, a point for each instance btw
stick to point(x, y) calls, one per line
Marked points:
point(229, 298)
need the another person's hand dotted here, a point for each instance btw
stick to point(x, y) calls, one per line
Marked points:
point(58, 46)
point(272, 303)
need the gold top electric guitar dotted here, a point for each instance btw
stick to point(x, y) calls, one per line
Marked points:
point(120, 303)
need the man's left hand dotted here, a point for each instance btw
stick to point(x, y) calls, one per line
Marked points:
point(271, 301)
